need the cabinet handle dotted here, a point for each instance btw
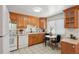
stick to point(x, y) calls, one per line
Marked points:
point(73, 46)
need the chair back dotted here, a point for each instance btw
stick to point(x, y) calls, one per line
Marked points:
point(58, 38)
point(47, 34)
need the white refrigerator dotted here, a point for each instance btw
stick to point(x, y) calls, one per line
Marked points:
point(4, 29)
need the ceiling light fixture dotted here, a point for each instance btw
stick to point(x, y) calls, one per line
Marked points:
point(37, 9)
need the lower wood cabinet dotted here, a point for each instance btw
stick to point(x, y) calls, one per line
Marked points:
point(68, 48)
point(35, 38)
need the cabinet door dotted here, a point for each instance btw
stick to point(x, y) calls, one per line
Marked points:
point(13, 43)
point(67, 48)
point(33, 21)
point(13, 17)
point(30, 40)
point(30, 18)
point(37, 38)
point(40, 38)
point(69, 13)
point(42, 23)
point(36, 22)
point(25, 21)
point(71, 17)
point(21, 21)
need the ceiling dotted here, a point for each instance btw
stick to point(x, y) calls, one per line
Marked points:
point(46, 10)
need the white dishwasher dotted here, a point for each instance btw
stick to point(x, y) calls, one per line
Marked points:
point(23, 41)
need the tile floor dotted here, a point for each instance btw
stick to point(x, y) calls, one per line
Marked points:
point(37, 49)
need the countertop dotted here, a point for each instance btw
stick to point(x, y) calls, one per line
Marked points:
point(72, 41)
point(30, 33)
point(36, 33)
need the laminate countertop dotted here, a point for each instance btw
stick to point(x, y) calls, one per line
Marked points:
point(37, 33)
point(71, 41)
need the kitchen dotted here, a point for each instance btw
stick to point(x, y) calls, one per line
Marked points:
point(27, 25)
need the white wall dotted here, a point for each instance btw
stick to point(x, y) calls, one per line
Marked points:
point(50, 24)
point(57, 22)
point(4, 31)
point(75, 32)
point(60, 26)
point(1, 10)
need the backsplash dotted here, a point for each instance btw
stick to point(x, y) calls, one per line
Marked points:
point(31, 28)
point(75, 32)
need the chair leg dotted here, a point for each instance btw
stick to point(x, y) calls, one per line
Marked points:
point(56, 45)
point(45, 42)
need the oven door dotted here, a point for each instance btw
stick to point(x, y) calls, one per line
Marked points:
point(13, 43)
point(13, 40)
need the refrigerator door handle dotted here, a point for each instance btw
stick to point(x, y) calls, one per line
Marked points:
point(1, 36)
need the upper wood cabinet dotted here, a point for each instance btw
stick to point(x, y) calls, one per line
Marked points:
point(19, 19)
point(22, 21)
point(13, 17)
point(36, 22)
point(71, 17)
point(30, 20)
point(42, 23)
point(33, 21)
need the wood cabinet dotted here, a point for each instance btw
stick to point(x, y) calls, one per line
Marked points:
point(42, 23)
point(36, 22)
point(31, 39)
point(21, 21)
point(35, 38)
point(70, 47)
point(13, 17)
point(41, 37)
point(71, 17)
point(30, 19)
point(33, 21)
